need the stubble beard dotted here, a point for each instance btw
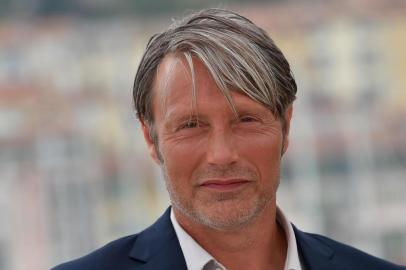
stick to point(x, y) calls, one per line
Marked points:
point(226, 212)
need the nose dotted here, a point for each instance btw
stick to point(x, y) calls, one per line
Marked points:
point(221, 149)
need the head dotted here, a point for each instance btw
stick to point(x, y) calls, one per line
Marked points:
point(234, 86)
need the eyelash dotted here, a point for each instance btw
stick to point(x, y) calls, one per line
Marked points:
point(194, 123)
point(248, 119)
point(190, 124)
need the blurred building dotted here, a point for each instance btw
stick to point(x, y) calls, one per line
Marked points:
point(74, 173)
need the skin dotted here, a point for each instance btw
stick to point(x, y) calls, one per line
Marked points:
point(221, 169)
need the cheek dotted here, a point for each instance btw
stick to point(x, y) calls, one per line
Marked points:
point(180, 161)
point(266, 146)
point(265, 155)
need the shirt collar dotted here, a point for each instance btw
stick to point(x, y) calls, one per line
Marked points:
point(196, 257)
point(292, 256)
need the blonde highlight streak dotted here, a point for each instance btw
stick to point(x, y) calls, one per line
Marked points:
point(235, 77)
point(236, 62)
point(215, 73)
point(193, 103)
point(217, 70)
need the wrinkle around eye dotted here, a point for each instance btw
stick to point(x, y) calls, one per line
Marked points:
point(249, 119)
point(187, 130)
point(192, 136)
point(258, 126)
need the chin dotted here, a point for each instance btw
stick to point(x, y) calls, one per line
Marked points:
point(228, 215)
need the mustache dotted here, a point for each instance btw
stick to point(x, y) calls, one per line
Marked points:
point(225, 172)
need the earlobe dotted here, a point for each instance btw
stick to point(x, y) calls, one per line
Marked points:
point(146, 130)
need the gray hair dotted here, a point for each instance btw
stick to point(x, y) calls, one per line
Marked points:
point(239, 55)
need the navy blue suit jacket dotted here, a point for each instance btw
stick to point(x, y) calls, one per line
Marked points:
point(157, 248)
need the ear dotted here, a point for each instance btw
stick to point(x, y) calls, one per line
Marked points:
point(288, 118)
point(150, 143)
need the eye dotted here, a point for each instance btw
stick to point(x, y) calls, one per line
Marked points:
point(248, 119)
point(190, 124)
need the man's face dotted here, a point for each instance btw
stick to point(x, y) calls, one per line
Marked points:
point(221, 169)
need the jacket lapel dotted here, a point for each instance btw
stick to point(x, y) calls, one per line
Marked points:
point(158, 247)
point(315, 254)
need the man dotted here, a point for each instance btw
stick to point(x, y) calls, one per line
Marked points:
point(214, 97)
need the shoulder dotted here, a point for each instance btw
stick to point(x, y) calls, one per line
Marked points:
point(114, 255)
point(346, 257)
point(131, 251)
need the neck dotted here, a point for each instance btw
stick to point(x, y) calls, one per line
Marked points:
point(260, 245)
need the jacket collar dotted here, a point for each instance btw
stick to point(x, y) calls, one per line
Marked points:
point(315, 253)
point(158, 247)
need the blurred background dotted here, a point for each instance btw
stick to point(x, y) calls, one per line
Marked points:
point(74, 171)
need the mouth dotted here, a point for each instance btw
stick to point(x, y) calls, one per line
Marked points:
point(225, 185)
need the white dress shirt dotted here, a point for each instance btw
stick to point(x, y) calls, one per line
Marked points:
point(198, 258)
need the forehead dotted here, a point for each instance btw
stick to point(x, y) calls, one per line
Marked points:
point(172, 78)
point(178, 80)
point(183, 86)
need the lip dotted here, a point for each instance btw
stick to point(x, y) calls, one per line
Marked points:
point(224, 185)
